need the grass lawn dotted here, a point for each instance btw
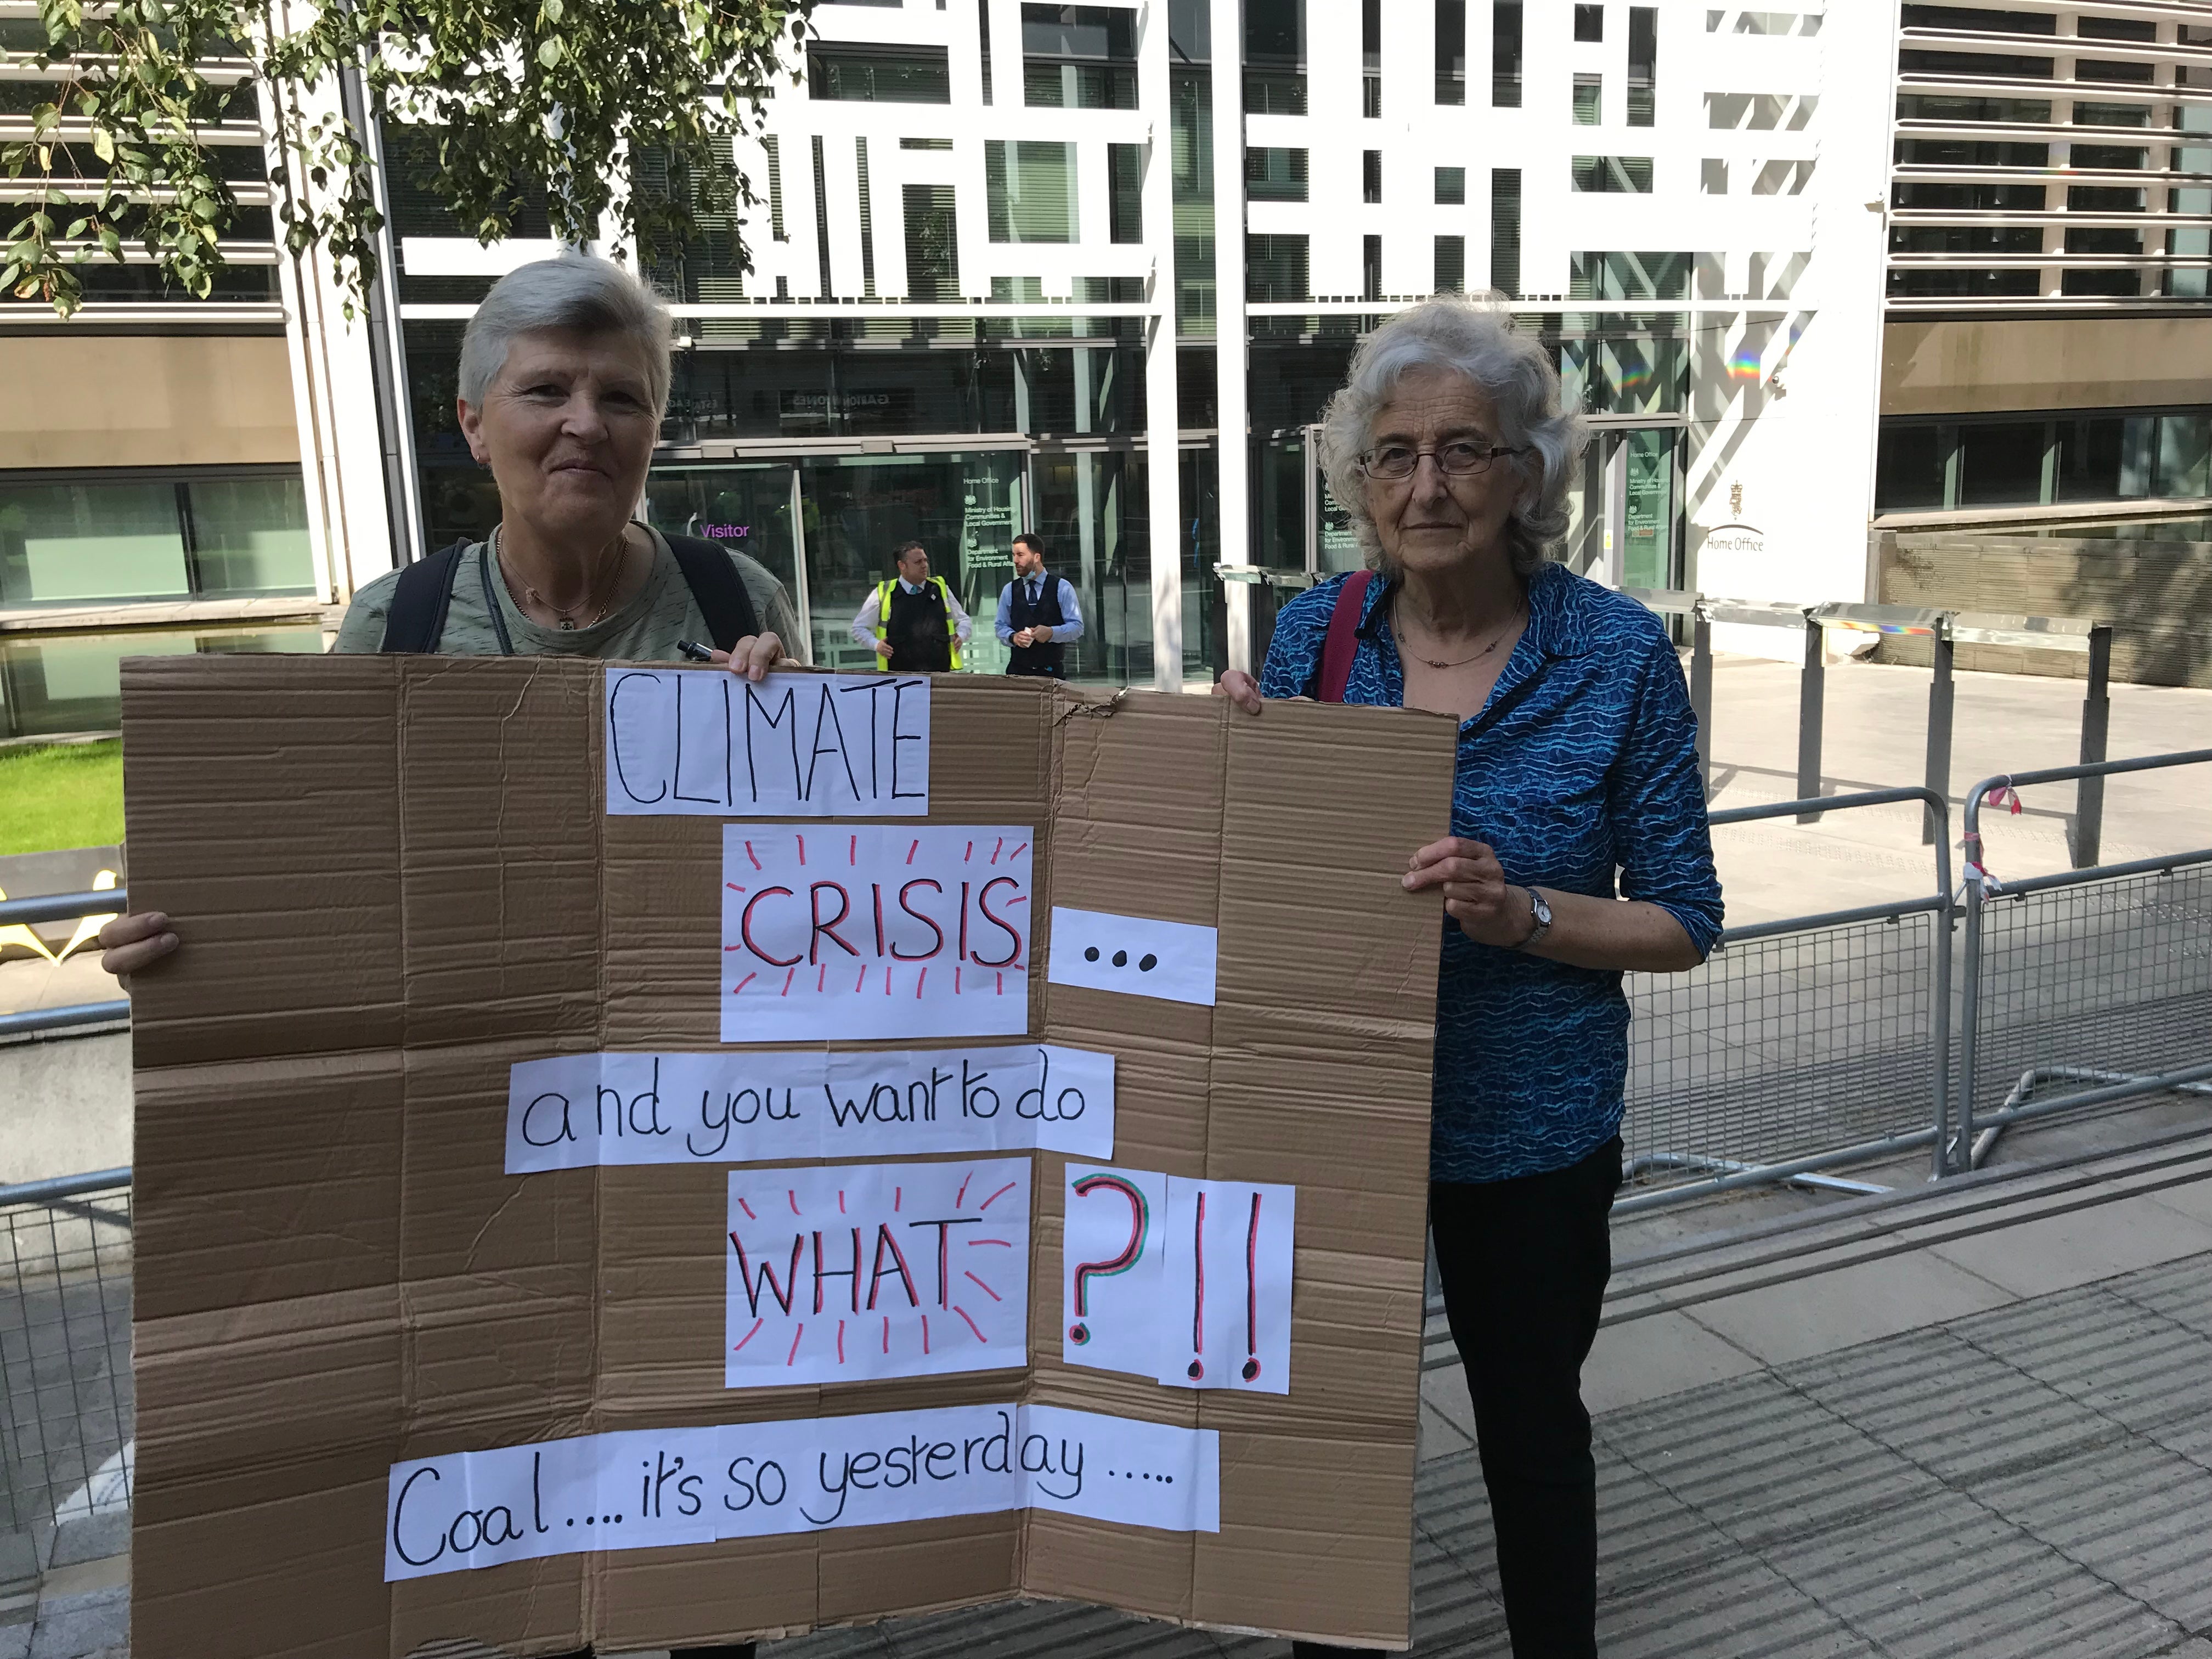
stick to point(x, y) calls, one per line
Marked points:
point(60, 795)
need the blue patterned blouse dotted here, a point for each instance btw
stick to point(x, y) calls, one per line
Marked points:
point(1584, 760)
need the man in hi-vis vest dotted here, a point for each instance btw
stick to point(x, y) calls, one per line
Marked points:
point(914, 624)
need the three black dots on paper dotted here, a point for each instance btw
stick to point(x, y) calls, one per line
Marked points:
point(1145, 964)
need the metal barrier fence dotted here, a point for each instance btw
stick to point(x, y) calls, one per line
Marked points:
point(65, 1434)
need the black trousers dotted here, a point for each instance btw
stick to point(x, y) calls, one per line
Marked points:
point(1524, 1264)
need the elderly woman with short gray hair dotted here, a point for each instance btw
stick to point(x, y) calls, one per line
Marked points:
point(1578, 760)
point(564, 376)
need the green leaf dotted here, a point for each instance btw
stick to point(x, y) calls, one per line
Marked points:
point(103, 145)
point(548, 53)
point(77, 228)
point(112, 242)
point(548, 12)
point(44, 117)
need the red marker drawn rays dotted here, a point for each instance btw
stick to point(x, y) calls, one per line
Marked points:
point(748, 1209)
point(749, 1336)
point(995, 1197)
point(754, 856)
point(742, 983)
point(972, 1325)
point(986, 1290)
point(793, 1354)
point(733, 887)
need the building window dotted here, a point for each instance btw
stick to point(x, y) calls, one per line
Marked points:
point(1030, 186)
point(1451, 187)
point(1370, 59)
point(1630, 175)
point(867, 219)
point(1451, 265)
point(1370, 268)
point(1506, 54)
point(87, 540)
point(1589, 23)
point(1589, 100)
point(1275, 270)
point(1781, 111)
point(1784, 22)
point(1078, 57)
point(1643, 65)
point(822, 217)
point(945, 145)
point(1274, 58)
point(2039, 460)
point(877, 74)
point(1505, 231)
point(933, 242)
point(1712, 177)
point(1790, 178)
point(1628, 276)
point(1451, 51)
point(774, 188)
point(1125, 192)
point(1274, 174)
point(1370, 175)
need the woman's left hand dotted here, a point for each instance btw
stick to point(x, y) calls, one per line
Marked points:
point(754, 656)
point(1477, 896)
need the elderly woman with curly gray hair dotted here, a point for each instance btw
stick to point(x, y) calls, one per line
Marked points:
point(1577, 850)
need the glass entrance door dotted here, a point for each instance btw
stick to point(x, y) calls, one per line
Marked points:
point(744, 505)
point(1647, 496)
point(857, 510)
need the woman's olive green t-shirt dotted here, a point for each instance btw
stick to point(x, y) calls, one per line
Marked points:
point(645, 629)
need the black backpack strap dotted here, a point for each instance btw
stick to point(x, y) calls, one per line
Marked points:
point(718, 589)
point(419, 601)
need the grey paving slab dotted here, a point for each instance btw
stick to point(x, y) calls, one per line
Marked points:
point(1849, 1306)
point(2059, 1252)
point(1741, 1607)
point(2136, 1515)
point(1953, 1410)
point(1440, 1436)
point(1443, 1390)
point(1760, 1461)
point(2127, 1362)
point(1651, 1358)
point(1060, 1628)
point(1943, 1575)
point(2182, 1290)
point(72, 1626)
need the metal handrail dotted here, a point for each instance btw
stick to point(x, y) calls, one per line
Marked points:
point(67, 1186)
point(1938, 810)
point(29, 1021)
point(1957, 1155)
point(65, 907)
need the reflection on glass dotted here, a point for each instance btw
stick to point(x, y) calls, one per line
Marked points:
point(1648, 550)
point(856, 511)
point(52, 686)
point(746, 508)
point(1090, 512)
point(90, 541)
point(1340, 543)
point(250, 536)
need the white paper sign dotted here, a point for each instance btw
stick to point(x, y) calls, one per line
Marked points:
point(867, 1270)
point(1171, 960)
point(712, 744)
point(1187, 1282)
point(852, 931)
point(644, 1488)
point(1110, 1257)
point(762, 1106)
point(1227, 1275)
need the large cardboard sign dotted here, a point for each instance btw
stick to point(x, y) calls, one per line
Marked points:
point(491, 1286)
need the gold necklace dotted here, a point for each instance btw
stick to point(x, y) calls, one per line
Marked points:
point(1520, 614)
point(567, 619)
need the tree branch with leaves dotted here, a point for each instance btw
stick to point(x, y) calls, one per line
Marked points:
point(525, 96)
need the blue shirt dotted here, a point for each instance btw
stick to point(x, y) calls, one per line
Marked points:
point(1064, 632)
point(1583, 761)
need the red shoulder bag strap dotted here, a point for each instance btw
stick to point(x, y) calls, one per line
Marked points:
point(1342, 644)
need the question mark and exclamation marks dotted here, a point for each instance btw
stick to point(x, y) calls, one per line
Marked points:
point(1251, 1367)
point(1122, 1262)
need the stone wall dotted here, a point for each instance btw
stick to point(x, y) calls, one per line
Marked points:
point(2156, 595)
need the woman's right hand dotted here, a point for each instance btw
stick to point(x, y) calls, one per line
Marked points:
point(135, 941)
point(1241, 688)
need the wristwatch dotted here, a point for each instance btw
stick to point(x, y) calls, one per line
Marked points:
point(1542, 913)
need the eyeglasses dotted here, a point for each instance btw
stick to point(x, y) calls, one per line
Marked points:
point(1456, 459)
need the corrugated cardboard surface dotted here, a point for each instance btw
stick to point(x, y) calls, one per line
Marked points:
point(395, 879)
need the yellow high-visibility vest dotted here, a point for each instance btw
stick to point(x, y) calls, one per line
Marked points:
point(883, 622)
